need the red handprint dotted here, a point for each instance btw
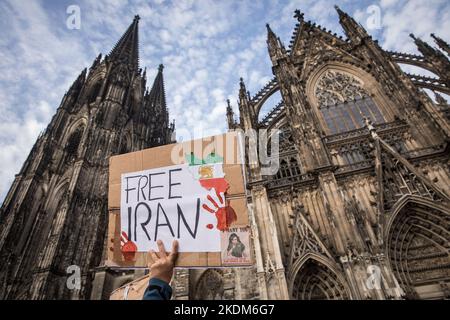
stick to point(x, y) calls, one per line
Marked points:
point(218, 205)
point(127, 247)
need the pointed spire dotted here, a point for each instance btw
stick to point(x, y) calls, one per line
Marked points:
point(272, 41)
point(354, 31)
point(242, 90)
point(441, 43)
point(341, 13)
point(246, 112)
point(424, 47)
point(270, 34)
point(229, 108)
point(157, 95)
point(127, 48)
point(439, 61)
point(78, 83)
point(155, 111)
point(96, 62)
point(230, 115)
point(274, 45)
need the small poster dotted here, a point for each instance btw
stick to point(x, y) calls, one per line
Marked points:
point(235, 243)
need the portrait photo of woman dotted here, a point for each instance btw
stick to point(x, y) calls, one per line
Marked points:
point(235, 247)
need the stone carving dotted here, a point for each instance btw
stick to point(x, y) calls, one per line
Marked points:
point(336, 87)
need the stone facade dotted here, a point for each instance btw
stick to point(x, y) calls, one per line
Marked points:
point(360, 206)
point(55, 214)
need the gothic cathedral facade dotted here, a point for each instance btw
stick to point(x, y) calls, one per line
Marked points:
point(55, 214)
point(359, 209)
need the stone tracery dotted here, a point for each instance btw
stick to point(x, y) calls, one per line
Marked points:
point(336, 87)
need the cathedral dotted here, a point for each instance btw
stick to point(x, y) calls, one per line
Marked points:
point(359, 208)
point(55, 214)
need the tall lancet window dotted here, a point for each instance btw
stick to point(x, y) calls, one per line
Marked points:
point(344, 102)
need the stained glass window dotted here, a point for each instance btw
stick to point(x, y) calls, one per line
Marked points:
point(344, 103)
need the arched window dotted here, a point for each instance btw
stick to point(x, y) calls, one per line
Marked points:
point(290, 165)
point(94, 92)
point(73, 142)
point(210, 286)
point(295, 169)
point(344, 103)
point(283, 172)
point(289, 168)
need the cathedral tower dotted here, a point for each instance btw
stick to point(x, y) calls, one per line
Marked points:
point(55, 214)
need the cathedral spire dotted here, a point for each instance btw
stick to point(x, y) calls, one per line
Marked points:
point(155, 100)
point(341, 13)
point(242, 89)
point(441, 43)
point(157, 95)
point(78, 83)
point(271, 37)
point(274, 45)
point(96, 62)
point(440, 62)
point(230, 115)
point(127, 48)
point(247, 117)
point(352, 29)
point(427, 50)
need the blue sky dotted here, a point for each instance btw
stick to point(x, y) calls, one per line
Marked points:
point(205, 46)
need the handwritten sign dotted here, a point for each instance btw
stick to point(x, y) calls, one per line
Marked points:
point(172, 203)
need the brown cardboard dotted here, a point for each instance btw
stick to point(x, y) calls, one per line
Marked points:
point(114, 196)
point(240, 206)
point(161, 157)
point(237, 186)
point(124, 163)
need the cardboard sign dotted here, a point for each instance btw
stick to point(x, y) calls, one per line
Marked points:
point(193, 192)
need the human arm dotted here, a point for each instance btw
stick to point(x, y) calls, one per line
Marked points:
point(161, 271)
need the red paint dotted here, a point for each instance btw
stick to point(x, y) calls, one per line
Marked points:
point(225, 214)
point(208, 208)
point(128, 248)
point(210, 226)
point(212, 201)
point(220, 184)
point(225, 217)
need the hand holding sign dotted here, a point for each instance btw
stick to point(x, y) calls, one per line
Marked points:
point(161, 264)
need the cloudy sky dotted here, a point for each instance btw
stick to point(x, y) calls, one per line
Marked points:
point(205, 46)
